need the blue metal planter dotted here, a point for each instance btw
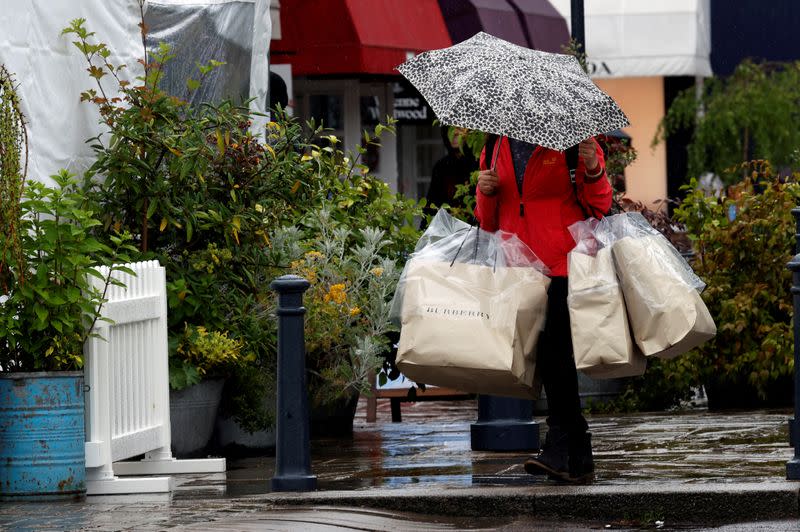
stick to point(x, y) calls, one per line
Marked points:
point(42, 435)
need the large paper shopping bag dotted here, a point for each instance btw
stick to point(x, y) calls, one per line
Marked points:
point(601, 338)
point(668, 317)
point(472, 327)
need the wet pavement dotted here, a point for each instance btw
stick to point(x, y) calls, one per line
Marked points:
point(675, 470)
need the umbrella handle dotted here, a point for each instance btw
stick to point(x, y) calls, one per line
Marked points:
point(496, 151)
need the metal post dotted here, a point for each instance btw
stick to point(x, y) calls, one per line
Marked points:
point(292, 448)
point(577, 24)
point(793, 465)
point(504, 424)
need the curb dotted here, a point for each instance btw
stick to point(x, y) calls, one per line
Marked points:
point(675, 502)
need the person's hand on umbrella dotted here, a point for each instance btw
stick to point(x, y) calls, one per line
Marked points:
point(487, 182)
point(587, 151)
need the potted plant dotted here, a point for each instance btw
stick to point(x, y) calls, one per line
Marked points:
point(203, 194)
point(48, 311)
point(48, 308)
point(198, 366)
point(191, 184)
point(347, 317)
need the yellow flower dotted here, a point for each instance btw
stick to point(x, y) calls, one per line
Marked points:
point(355, 311)
point(377, 271)
point(259, 207)
point(336, 294)
point(296, 264)
point(311, 255)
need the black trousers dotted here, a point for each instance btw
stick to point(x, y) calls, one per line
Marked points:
point(556, 363)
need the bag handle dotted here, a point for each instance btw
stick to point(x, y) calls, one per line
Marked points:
point(462, 245)
point(475, 251)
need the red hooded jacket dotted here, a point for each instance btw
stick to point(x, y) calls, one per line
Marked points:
point(548, 204)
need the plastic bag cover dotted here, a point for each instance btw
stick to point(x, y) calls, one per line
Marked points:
point(450, 240)
point(634, 225)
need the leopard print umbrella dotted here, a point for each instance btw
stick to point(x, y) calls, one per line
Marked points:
point(492, 85)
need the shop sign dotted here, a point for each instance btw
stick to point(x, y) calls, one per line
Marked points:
point(409, 106)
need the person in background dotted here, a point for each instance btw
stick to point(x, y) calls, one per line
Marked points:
point(452, 170)
point(527, 190)
point(278, 94)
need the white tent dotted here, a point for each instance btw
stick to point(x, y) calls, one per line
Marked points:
point(51, 72)
point(641, 38)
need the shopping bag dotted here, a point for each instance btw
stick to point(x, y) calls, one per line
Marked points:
point(662, 294)
point(601, 338)
point(472, 327)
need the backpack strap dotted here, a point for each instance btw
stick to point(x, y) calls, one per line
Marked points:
point(571, 155)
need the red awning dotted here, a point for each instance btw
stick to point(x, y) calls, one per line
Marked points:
point(324, 37)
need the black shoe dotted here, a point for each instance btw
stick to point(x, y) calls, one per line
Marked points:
point(554, 455)
point(581, 460)
point(564, 457)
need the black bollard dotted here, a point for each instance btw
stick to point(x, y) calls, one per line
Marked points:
point(793, 465)
point(504, 424)
point(292, 448)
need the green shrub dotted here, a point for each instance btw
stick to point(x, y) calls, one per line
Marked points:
point(751, 114)
point(743, 261)
point(203, 354)
point(205, 195)
point(13, 148)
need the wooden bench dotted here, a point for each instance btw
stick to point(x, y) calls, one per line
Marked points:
point(399, 395)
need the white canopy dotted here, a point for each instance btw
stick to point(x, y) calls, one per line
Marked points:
point(51, 72)
point(640, 38)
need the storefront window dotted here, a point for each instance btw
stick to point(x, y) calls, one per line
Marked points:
point(327, 109)
point(370, 110)
point(420, 147)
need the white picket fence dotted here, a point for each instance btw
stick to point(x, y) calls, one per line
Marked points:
point(127, 399)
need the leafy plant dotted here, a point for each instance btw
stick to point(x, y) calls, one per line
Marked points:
point(53, 304)
point(753, 114)
point(619, 154)
point(153, 145)
point(743, 242)
point(203, 354)
point(347, 304)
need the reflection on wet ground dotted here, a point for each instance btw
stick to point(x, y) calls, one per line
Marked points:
point(430, 449)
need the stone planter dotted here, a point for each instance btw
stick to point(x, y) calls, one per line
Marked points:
point(192, 412)
point(232, 438)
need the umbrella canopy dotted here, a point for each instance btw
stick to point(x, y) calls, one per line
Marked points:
point(492, 85)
